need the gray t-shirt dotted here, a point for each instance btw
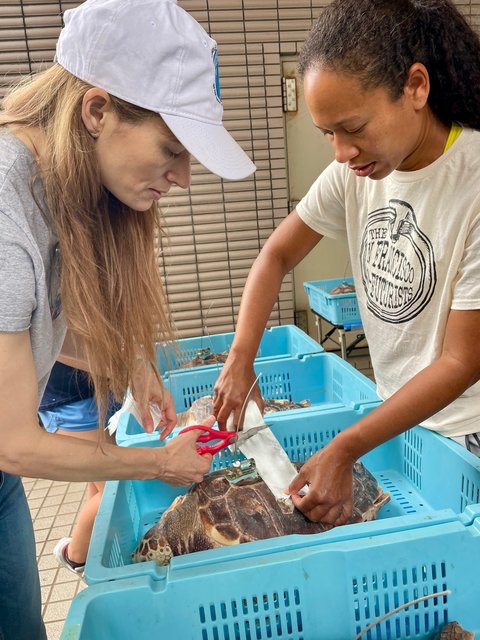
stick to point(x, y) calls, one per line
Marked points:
point(29, 259)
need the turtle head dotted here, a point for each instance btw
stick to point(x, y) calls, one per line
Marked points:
point(154, 548)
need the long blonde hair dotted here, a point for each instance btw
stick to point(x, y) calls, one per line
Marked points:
point(111, 287)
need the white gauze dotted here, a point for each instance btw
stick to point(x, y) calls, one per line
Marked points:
point(273, 464)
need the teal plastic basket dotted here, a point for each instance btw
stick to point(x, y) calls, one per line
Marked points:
point(406, 466)
point(324, 379)
point(314, 592)
point(341, 309)
point(277, 342)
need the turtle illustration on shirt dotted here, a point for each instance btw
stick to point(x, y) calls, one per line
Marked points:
point(397, 262)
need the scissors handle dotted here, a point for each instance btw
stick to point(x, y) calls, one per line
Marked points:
point(225, 438)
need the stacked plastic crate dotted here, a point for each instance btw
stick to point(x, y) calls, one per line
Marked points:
point(328, 586)
point(293, 366)
point(338, 308)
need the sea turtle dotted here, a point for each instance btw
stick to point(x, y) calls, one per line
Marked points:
point(453, 631)
point(200, 409)
point(205, 356)
point(344, 287)
point(219, 512)
point(273, 405)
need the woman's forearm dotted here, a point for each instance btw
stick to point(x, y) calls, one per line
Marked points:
point(56, 457)
point(36, 453)
point(258, 298)
point(285, 248)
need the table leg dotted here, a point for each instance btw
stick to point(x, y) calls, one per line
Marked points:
point(318, 322)
point(343, 343)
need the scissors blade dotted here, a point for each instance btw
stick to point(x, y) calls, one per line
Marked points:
point(246, 435)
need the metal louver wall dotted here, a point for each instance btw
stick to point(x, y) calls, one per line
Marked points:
point(217, 227)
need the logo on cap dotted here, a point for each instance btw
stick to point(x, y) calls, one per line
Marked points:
point(216, 86)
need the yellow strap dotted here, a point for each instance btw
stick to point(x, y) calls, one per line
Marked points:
point(455, 131)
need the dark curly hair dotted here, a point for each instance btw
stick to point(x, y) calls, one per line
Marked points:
point(379, 40)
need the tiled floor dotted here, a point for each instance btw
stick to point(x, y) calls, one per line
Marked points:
point(54, 507)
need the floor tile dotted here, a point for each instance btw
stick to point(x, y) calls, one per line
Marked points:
point(56, 611)
point(71, 507)
point(47, 576)
point(49, 511)
point(47, 561)
point(62, 591)
point(54, 630)
point(35, 503)
point(43, 523)
point(53, 499)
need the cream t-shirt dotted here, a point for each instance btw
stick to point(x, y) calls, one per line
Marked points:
point(414, 242)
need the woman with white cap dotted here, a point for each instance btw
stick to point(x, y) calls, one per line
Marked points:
point(87, 149)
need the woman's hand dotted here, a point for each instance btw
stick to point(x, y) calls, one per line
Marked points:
point(155, 404)
point(159, 413)
point(182, 464)
point(231, 389)
point(329, 476)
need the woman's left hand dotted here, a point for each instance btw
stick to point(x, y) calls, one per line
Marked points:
point(154, 402)
point(329, 476)
point(159, 414)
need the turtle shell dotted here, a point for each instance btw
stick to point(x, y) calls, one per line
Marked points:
point(216, 513)
point(453, 631)
point(204, 357)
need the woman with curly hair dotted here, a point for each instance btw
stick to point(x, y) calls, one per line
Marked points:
point(87, 150)
point(394, 85)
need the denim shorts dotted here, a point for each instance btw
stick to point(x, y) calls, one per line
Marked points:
point(73, 416)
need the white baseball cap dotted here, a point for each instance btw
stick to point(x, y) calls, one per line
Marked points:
point(155, 55)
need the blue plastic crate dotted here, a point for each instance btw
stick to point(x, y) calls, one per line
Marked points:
point(340, 309)
point(276, 342)
point(406, 466)
point(323, 378)
point(315, 592)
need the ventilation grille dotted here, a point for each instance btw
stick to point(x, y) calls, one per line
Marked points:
point(392, 487)
point(469, 492)
point(301, 446)
point(193, 392)
point(276, 385)
point(412, 459)
point(379, 593)
point(270, 615)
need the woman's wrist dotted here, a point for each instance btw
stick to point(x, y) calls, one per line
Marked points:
point(151, 463)
point(242, 355)
point(160, 455)
point(348, 446)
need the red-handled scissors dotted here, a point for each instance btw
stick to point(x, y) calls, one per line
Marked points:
point(225, 438)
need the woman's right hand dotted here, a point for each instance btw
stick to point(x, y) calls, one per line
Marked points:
point(181, 465)
point(234, 382)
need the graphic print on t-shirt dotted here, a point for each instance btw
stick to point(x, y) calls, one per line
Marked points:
point(398, 264)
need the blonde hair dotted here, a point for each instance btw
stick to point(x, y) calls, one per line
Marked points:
point(111, 287)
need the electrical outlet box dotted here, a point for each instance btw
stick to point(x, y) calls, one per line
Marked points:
point(289, 94)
